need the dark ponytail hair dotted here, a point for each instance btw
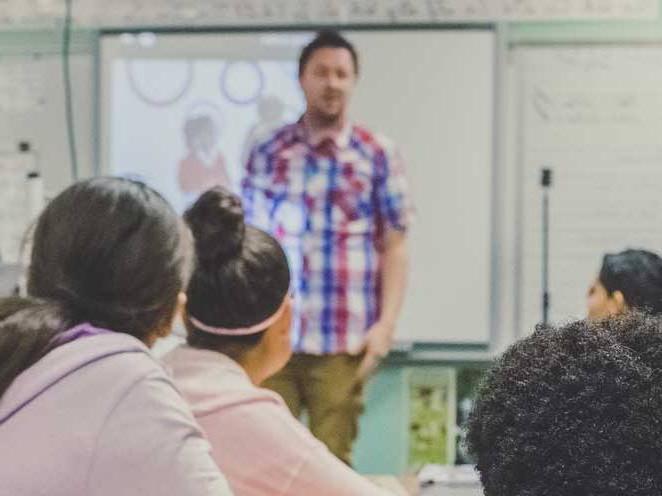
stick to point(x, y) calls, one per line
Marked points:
point(107, 251)
point(27, 329)
point(241, 276)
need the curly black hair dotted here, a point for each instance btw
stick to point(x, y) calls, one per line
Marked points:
point(573, 411)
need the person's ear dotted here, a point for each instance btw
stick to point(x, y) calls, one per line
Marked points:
point(287, 317)
point(180, 311)
point(280, 330)
point(181, 304)
point(617, 301)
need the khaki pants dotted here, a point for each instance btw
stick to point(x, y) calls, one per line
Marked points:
point(326, 387)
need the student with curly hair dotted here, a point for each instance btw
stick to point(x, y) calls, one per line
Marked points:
point(575, 410)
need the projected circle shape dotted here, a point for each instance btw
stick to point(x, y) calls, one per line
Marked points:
point(160, 82)
point(242, 82)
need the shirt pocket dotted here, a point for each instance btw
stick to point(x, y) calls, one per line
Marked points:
point(351, 196)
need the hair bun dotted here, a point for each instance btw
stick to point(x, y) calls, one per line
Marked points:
point(217, 222)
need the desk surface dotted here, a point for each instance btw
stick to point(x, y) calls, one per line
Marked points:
point(452, 491)
point(407, 486)
point(403, 486)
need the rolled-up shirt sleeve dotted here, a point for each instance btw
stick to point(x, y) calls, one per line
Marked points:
point(391, 191)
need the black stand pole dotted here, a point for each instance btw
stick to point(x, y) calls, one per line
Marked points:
point(546, 183)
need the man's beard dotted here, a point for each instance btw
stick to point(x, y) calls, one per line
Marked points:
point(325, 119)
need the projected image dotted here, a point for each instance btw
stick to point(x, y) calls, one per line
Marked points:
point(204, 165)
point(184, 126)
point(271, 114)
point(160, 82)
point(242, 82)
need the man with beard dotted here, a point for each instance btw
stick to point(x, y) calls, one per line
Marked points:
point(335, 196)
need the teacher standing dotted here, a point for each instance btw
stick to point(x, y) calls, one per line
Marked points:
point(335, 195)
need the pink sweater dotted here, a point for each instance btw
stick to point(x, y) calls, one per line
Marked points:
point(99, 417)
point(260, 447)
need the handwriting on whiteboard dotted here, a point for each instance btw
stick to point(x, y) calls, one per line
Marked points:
point(593, 115)
point(590, 106)
point(257, 12)
point(21, 85)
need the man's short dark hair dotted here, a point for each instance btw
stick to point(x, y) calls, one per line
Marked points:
point(574, 410)
point(327, 38)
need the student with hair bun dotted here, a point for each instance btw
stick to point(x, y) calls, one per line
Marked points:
point(238, 316)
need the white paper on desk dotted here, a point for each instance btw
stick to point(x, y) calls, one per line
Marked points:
point(448, 475)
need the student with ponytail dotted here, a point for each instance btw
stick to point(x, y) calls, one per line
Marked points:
point(84, 408)
point(238, 315)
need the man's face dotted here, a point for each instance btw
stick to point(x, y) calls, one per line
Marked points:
point(327, 81)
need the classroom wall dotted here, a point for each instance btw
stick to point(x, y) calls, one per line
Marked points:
point(382, 444)
point(377, 451)
point(41, 86)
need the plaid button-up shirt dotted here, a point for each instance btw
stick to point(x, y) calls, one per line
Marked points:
point(329, 203)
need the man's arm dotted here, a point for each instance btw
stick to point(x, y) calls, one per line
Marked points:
point(394, 261)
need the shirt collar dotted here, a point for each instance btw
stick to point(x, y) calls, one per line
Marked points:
point(211, 362)
point(340, 138)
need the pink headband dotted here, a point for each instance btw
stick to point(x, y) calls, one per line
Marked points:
point(245, 331)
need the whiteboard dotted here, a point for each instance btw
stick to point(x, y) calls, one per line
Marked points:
point(593, 114)
point(431, 91)
point(438, 106)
